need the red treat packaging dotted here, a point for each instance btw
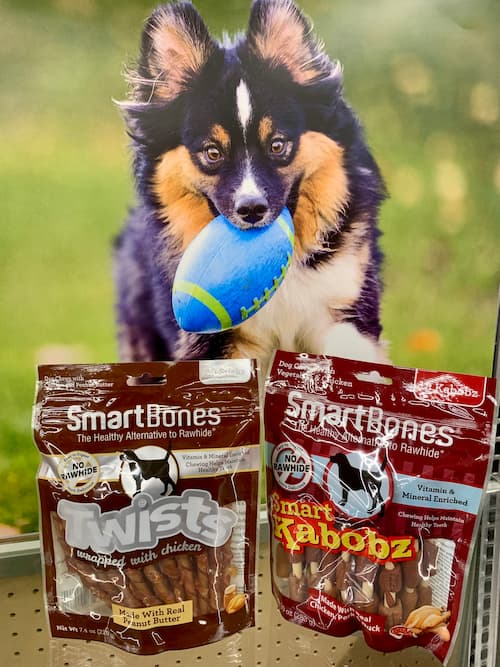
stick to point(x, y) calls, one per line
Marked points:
point(375, 481)
point(149, 490)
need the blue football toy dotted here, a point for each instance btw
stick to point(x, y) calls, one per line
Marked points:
point(227, 274)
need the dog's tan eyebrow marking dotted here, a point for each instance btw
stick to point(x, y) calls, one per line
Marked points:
point(178, 185)
point(323, 192)
point(243, 105)
point(221, 135)
point(266, 128)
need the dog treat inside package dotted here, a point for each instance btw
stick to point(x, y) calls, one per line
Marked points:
point(375, 481)
point(148, 484)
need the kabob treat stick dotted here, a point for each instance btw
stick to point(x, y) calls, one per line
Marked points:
point(409, 601)
point(281, 561)
point(392, 609)
point(390, 579)
point(411, 580)
point(313, 558)
point(365, 597)
point(390, 583)
point(344, 567)
point(428, 568)
point(411, 568)
point(312, 569)
point(424, 594)
point(328, 573)
point(430, 552)
point(297, 581)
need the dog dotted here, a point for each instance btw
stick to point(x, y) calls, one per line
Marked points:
point(145, 469)
point(243, 128)
point(367, 479)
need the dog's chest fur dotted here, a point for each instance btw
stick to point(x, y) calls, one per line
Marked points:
point(308, 312)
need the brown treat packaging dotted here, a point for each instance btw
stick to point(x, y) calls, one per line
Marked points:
point(149, 491)
point(375, 481)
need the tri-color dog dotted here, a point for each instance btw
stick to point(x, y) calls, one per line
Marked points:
point(244, 128)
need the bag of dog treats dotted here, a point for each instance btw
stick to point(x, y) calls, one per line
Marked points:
point(375, 481)
point(149, 491)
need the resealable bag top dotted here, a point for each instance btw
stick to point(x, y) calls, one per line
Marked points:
point(375, 481)
point(148, 485)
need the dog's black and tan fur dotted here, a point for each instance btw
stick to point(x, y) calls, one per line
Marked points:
point(243, 129)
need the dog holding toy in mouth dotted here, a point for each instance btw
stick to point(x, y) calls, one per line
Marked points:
point(246, 135)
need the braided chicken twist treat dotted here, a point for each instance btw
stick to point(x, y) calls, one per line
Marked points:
point(201, 577)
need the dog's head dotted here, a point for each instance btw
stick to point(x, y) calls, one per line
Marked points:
point(242, 128)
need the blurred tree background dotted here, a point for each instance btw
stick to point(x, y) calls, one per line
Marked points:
point(423, 76)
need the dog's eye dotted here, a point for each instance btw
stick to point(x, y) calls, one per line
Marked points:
point(212, 153)
point(278, 146)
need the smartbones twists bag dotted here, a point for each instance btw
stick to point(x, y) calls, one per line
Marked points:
point(375, 481)
point(148, 485)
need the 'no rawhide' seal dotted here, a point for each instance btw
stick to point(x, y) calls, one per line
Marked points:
point(292, 466)
point(78, 472)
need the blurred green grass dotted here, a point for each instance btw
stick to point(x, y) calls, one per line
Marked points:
point(423, 77)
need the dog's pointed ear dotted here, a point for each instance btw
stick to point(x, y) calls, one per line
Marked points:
point(280, 34)
point(175, 47)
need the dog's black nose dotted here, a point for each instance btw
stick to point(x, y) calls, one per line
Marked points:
point(252, 209)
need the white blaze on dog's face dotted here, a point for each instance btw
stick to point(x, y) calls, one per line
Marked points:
point(243, 105)
point(247, 142)
point(250, 200)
